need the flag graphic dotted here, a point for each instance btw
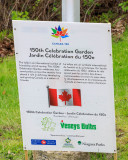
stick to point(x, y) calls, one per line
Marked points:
point(64, 97)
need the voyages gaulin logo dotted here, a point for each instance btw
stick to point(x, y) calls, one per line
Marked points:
point(68, 143)
point(59, 32)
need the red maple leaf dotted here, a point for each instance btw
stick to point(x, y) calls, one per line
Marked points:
point(65, 96)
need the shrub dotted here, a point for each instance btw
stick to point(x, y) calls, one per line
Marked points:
point(124, 6)
point(16, 15)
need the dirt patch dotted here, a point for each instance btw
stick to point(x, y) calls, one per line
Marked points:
point(40, 155)
point(6, 48)
point(7, 128)
point(118, 29)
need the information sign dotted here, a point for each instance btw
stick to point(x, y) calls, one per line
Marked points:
point(65, 81)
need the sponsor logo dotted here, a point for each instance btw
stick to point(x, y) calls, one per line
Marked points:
point(79, 142)
point(73, 126)
point(67, 143)
point(68, 140)
point(43, 142)
point(59, 32)
point(91, 144)
point(48, 124)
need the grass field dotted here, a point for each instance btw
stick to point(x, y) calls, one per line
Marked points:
point(10, 124)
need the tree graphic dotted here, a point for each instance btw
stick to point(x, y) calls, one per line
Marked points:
point(65, 97)
point(48, 124)
point(59, 33)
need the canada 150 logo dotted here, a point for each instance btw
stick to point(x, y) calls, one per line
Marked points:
point(59, 32)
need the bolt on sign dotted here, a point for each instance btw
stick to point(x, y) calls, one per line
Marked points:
point(65, 81)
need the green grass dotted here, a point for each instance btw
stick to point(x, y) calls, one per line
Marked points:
point(10, 124)
point(120, 57)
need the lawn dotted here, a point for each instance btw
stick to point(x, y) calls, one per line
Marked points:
point(10, 124)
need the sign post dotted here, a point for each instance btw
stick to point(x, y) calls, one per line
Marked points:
point(71, 10)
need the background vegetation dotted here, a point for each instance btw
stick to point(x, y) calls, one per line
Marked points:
point(91, 10)
point(114, 11)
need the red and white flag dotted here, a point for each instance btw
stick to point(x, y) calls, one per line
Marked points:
point(64, 97)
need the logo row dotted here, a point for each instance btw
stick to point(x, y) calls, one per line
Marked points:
point(67, 143)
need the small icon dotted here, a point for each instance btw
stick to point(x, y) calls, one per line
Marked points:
point(43, 142)
point(79, 142)
point(68, 140)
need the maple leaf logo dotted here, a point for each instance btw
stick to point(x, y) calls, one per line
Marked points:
point(59, 33)
point(65, 97)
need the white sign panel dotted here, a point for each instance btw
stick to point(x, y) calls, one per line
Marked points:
point(65, 81)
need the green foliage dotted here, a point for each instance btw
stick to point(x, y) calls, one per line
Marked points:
point(3, 34)
point(104, 17)
point(36, 4)
point(6, 33)
point(16, 15)
point(88, 3)
point(54, 9)
point(124, 6)
point(10, 35)
point(91, 1)
point(115, 22)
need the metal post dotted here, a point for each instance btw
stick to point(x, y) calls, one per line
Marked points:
point(71, 10)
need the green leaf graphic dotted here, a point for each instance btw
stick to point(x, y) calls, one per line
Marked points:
point(55, 36)
point(54, 30)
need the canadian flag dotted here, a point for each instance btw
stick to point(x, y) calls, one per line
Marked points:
point(64, 97)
